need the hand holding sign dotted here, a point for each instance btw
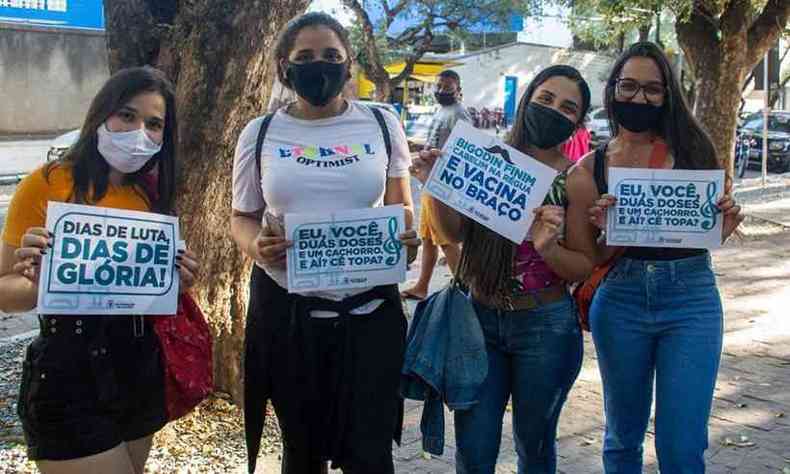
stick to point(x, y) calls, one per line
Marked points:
point(412, 243)
point(34, 245)
point(732, 212)
point(270, 246)
point(547, 228)
point(422, 165)
point(600, 210)
point(187, 265)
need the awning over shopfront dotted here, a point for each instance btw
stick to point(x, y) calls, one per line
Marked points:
point(426, 70)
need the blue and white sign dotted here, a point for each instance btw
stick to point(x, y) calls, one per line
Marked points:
point(109, 261)
point(489, 181)
point(516, 23)
point(78, 14)
point(665, 208)
point(511, 90)
point(345, 249)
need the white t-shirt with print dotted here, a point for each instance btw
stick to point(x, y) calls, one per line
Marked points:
point(314, 166)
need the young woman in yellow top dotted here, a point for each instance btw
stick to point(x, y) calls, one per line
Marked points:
point(92, 392)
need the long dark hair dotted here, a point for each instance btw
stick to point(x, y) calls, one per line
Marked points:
point(487, 258)
point(688, 142)
point(90, 171)
point(287, 38)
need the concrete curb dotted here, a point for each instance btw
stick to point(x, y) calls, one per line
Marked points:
point(758, 194)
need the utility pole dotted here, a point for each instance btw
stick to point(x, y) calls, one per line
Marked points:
point(766, 89)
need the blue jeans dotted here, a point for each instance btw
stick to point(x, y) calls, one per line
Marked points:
point(535, 356)
point(663, 321)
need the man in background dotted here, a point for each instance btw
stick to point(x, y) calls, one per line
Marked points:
point(448, 96)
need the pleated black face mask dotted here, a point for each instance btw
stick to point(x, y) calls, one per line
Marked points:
point(445, 98)
point(545, 127)
point(636, 117)
point(317, 82)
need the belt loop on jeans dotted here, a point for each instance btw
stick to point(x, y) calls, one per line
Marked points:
point(627, 262)
point(139, 326)
point(673, 271)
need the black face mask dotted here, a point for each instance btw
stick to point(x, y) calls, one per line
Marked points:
point(636, 117)
point(445, 98)
point(545, 127)
point(317, 82)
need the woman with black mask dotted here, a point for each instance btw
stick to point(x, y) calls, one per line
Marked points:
point(658, 314)
point(329, 361)
point(533, 339)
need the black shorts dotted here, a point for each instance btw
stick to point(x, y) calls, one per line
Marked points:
point(90, 383)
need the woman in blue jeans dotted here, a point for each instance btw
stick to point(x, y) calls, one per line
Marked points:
point(658, 315)
point(533, 341)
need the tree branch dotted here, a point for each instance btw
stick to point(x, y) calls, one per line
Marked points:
point(413, 58)
point(766, 29)
point(373, 67)
point(395, 11)
point(733, 20)
point(697, 36)
point(407, 36)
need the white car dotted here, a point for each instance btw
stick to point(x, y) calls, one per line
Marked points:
point(599, 126)
point(62, 143)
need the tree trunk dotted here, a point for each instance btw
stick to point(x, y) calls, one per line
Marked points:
point(219, 56)
point(374, 70)
point(718, 80)
point(722, 54)
point(383, 88)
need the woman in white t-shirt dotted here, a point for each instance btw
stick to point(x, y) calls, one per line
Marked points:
point(328, 361)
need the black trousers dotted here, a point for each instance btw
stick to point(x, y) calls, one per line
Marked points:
point(333, 382)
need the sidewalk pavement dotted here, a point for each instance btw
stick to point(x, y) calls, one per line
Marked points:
point(777, 212)
point(749, 431)
point(751, 190)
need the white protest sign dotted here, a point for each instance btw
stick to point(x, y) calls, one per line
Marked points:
point(109, 261)
point(665, 208)
point(490, 182)
point(345, 249)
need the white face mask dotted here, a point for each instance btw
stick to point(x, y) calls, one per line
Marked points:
point(127, 152)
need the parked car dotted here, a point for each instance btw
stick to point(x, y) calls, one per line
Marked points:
point(599, 126)
point(62, 143)
point(750, 137)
